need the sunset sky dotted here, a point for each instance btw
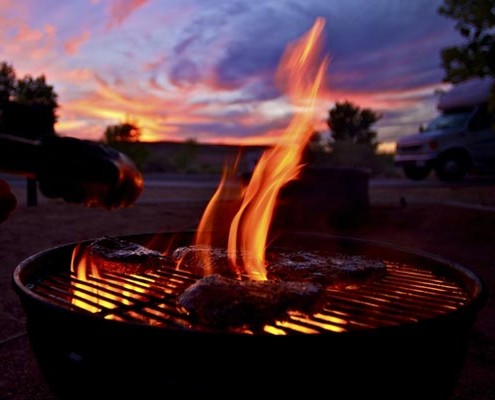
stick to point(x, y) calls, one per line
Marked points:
point(204, 69)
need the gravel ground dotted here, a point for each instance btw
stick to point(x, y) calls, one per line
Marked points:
point(464, 235)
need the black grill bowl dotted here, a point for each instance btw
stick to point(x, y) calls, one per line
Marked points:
point(85, 356)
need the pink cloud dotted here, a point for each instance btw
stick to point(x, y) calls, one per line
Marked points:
point(26, 34)
point(72, 45)
point(120, 10)
point(153, 84)
point(28, 48)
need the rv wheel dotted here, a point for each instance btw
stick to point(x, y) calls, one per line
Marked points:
point(452, 167)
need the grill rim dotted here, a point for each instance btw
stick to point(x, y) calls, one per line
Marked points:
point(463, 276)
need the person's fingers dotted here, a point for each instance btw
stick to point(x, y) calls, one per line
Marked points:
point(129, 186)
point(89, 173)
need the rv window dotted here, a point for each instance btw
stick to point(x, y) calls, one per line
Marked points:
point(449, 120)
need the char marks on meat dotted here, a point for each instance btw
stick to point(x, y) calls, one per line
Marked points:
point(296, 280)
point(126, 257)
point(320, 267)
point(323, 268)
point(225, 302)
point(192, 258)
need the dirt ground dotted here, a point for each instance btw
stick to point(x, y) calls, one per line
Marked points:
point(465, 235)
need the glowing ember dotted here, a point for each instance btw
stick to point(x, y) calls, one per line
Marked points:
point(301, 76)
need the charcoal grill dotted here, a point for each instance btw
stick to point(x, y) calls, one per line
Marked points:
point(401, 336)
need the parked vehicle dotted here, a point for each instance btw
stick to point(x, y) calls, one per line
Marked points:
point(460, 140)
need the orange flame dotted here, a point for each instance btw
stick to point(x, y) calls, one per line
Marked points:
point(82, 268)
point(214, 224)
point(93, 292)
point(301, 75)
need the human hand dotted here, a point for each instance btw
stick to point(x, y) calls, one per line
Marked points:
point(91, 173)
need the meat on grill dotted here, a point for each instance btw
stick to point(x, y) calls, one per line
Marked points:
point(296, 279)
point(193, 259)
point(321, 267)
point(225, 302)
point(122, 256)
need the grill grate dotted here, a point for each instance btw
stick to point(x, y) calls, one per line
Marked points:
point(406, 294)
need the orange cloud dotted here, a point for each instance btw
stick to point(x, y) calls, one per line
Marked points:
point(159, 118)
point(172, 112)
point(267, 138)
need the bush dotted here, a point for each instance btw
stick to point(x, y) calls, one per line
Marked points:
point(136, 151)
point(354, 155)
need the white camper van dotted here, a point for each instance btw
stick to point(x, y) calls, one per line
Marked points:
point(459, 141)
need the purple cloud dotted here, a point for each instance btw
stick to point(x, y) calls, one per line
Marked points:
point(204, 60)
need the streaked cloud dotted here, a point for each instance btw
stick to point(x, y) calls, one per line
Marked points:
point(205, 68)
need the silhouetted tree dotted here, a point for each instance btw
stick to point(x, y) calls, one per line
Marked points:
point(28, 105)
point(475, 23)
point(317, 150)
point(125, 137)
point(7, 81)
point(350, 123)
point(31, 90)
point(353, 141)
point(125, 132)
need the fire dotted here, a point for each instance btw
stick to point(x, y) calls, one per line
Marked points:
point(93, 292)
point(300, 73)
point(212, 220)
point(82, 267)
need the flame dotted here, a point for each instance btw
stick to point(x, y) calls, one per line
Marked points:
point(82, 268)
point(301, 75)
point(208, 223)
point(93, 292)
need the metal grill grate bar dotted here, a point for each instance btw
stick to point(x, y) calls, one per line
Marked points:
point(403, 295)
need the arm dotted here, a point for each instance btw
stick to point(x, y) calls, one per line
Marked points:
point(78, 171)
